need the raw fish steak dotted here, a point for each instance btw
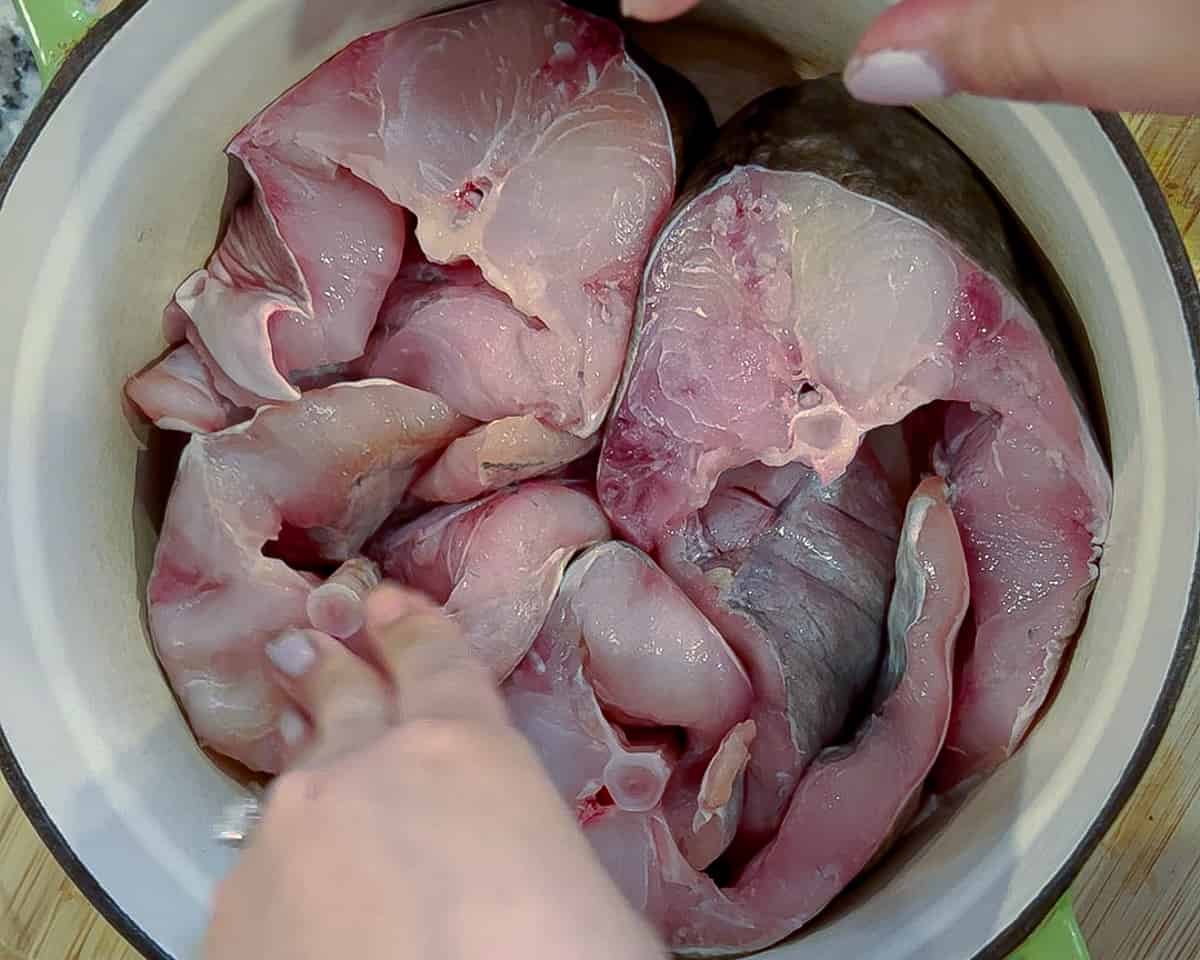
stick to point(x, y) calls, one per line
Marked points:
point(623, 640)
point(797, 577)
point(832, 268)
point(548, 164)
point(629, 782)
point(312, 478)
point(495, 564)
point(177, 392)
point(446, 330)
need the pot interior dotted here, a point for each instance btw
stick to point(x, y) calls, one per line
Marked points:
point(120, 196)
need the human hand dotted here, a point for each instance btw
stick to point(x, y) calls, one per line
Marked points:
point(1110, 54)
point(414, 820)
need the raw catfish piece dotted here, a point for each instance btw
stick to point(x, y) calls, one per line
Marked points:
point(796, 576)
point(852, 801)
point(655, 661)
point(177, 392)
point(849, 805)
point(313, 478)
point(444, 329)
point(299, 277)
point(496, 564)
point(1032, 570)
point(497, 455)
point(652, 656)
point(552, 701)
point(693, 127)
point(833, 267)
point(623, 641)
point(524, 139)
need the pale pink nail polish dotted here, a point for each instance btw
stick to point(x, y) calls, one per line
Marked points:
point(292, 727)
point(292, 652)
point(896, 77)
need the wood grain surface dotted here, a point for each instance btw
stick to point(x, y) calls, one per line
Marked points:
point(1137, 899)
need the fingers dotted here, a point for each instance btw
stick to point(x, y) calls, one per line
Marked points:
point(1111, 54)
point(655, 10)
point(339, 700)
point(427, 660)
point(416, 667)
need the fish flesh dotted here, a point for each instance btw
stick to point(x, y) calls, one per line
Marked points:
point(312, 479)
point(848, 804)
point(495, 564)
point(832, 268)
point(177, 392)
point(797, 576)
point(548, 166)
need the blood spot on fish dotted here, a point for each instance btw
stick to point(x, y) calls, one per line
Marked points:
point(594, 806)
point(620, 279)
point(573, 68)
point(470, 195)
point(174, 582)
point(976, 310)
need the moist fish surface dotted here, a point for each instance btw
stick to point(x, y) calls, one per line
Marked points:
point(832, 268)
point(548, 165)
point(797, 576)
point(312, 478)
point(495, 565)
point(845, 806)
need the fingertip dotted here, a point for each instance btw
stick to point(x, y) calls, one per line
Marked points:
point(896, 78)
point(1135, 57)
point(293, 652)
point(293, 728)
point(911, 25)
point(390, 602)
point(897, 61)
point(654, 11)
point(323, 680)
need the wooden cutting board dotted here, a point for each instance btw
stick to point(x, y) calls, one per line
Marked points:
point(1136, 899)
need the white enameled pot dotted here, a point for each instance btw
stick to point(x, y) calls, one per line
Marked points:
point(113, 194)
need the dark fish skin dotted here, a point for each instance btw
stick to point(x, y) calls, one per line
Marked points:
point(816, 582)
point(806, 574)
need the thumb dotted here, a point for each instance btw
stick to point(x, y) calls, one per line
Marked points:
point(1109, 54)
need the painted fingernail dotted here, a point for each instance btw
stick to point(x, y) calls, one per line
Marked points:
point(292, 653)
point(292, 727)
point(896, 77)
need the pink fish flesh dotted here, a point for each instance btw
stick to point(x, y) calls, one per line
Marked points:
point(849, 272)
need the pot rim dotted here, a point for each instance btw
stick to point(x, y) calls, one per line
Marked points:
point(1009, 939)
